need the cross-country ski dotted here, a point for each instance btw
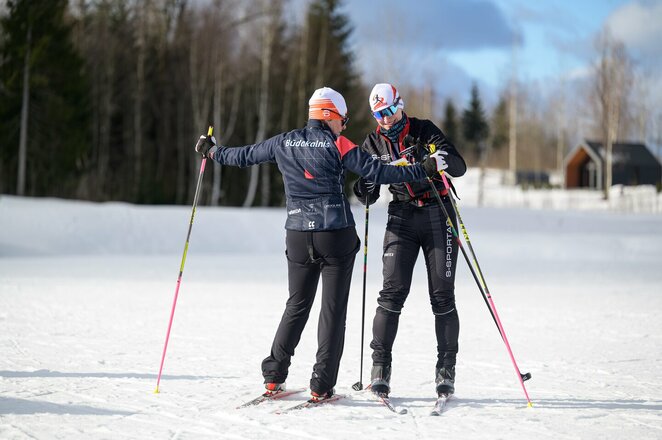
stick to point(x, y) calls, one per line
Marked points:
point(310, 403)
point(270, 396)
point(440, 404)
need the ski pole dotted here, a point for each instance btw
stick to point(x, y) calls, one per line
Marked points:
point(486, 295)
point(493, 310)
point(482, 291)
point(521, 377)
point(359, 385)
point(181, 267)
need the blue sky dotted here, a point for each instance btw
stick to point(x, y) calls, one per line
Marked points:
point(451, 43)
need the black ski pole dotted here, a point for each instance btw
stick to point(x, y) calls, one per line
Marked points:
point(359, 385)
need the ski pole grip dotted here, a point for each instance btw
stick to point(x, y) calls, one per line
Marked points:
point(210, 131)
point(433, 148)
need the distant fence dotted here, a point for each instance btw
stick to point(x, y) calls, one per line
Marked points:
point(632, 199)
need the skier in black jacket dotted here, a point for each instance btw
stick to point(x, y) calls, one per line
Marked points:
point(320, 234)
point(415, 221)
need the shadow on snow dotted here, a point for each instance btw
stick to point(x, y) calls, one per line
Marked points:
point(649, 405)
point(49, 373)
point(12, 405)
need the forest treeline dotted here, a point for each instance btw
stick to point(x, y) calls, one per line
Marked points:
point(104, 99)
point(119, 91)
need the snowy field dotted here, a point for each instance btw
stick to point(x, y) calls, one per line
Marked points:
point(86, 291)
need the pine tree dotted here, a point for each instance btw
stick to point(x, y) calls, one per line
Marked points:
point(37, 46)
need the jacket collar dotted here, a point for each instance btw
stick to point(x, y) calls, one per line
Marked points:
point(316, 123)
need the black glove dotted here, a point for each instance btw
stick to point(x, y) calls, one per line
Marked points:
point(366, 191)
point(410, 141)
point(206, 146)
point(435, 163)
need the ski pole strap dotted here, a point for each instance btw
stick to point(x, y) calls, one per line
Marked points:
point(421, 200)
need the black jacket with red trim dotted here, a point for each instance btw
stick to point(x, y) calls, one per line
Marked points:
point(424, 132)
point(312, 161)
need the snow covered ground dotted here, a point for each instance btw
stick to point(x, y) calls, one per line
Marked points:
point(86, 291)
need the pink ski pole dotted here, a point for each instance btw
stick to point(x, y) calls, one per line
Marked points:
point(181, 267)
point(521, 377)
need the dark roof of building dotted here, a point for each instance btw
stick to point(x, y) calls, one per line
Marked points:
point(625, 152)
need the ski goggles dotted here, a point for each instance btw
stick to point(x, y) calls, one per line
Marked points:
point(344, 119)
point(388, 111)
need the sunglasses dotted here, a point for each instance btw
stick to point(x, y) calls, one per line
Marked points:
point(388, 111)
point(345, 119)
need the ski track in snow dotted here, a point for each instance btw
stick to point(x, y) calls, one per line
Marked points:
point(86, 291)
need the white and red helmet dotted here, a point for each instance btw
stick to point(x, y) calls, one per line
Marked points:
point(385, 100)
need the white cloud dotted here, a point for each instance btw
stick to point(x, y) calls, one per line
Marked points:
point(638, 25)
point(579, 73)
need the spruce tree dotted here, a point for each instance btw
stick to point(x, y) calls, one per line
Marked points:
point(332, 63)
point(449, 126)
point(474, 123)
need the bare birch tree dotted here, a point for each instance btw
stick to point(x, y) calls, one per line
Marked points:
point(201, 84)
point(140, 26)
point(225, 130)
point(25, 108)
point(613, 78)
point(302, 86)
point(268, 32)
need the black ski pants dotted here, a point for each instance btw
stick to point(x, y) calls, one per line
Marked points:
point(410, 228)
point(311, 254)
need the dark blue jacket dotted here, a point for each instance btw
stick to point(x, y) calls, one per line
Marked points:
point(312, 161)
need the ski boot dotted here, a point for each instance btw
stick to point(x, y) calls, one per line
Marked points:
point(274, 388)
point(445, 380)
point(380, 377)
point(317, 397)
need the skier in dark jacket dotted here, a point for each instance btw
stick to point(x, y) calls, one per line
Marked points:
point(320, 234)
point(415, 221)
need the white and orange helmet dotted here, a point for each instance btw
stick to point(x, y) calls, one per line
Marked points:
point(326, 104)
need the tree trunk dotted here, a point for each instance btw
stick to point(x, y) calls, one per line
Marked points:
point(138, 100)
point(25, 108)
point(105, 115)
point(263, 116)
point(482, 147)
point(215, 197)
point(200, 100)
point(512, 133)
point(287, 98)
point(302, 102)
point(223, 131)
point(321, 55)
point(265, 190)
